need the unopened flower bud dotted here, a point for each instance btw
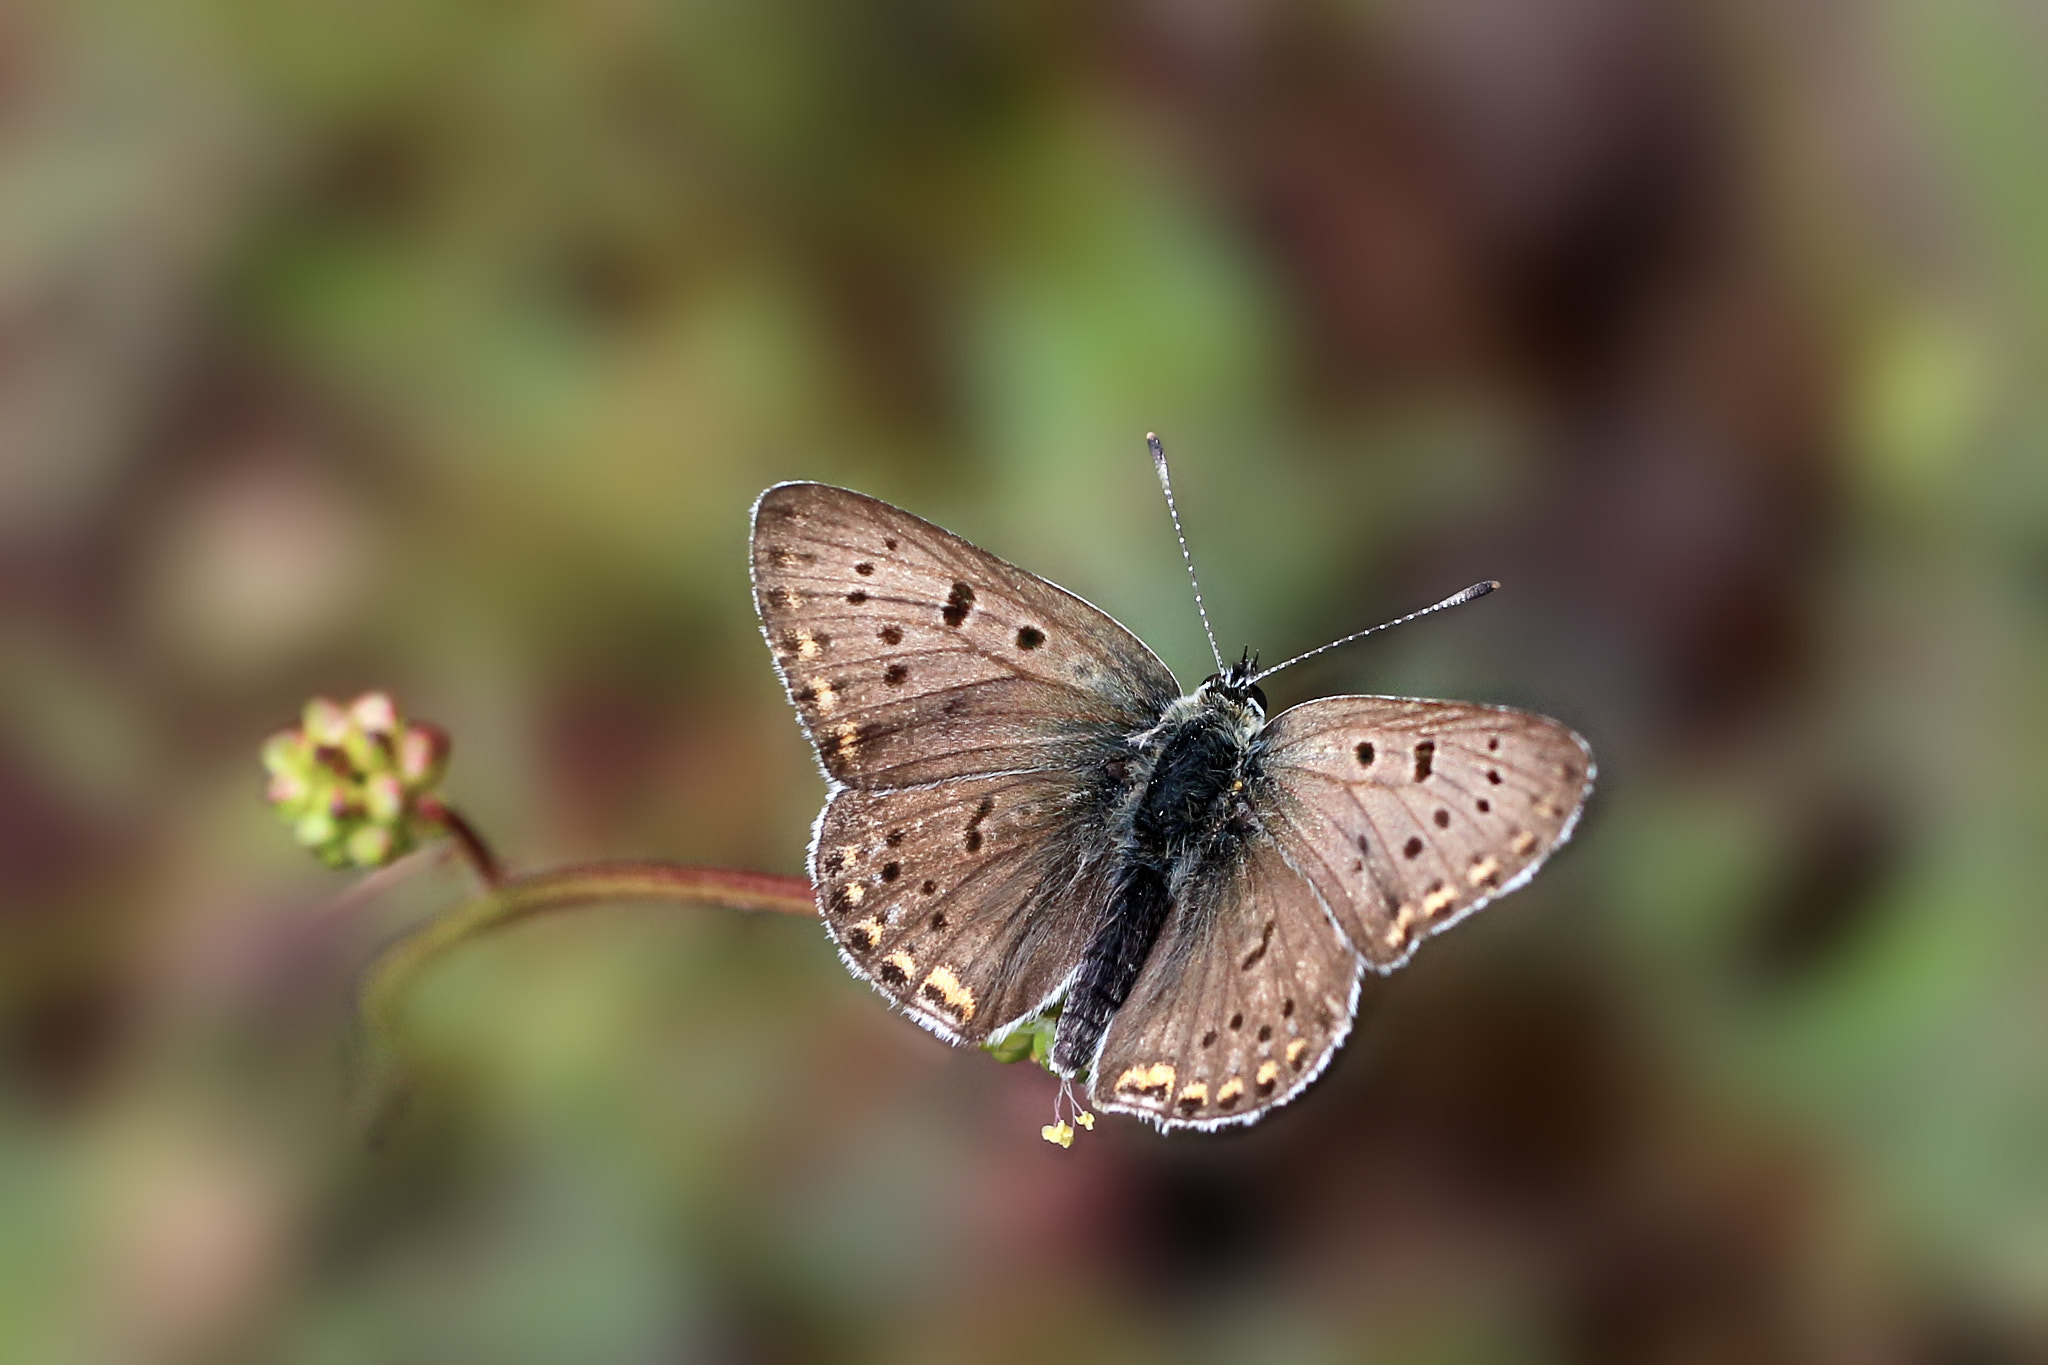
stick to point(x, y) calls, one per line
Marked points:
point(383, 798)
point(316, 829)
point(357, 783)
point(325, 722)
point(371, 845)
point(374, 713)
point(422, 755)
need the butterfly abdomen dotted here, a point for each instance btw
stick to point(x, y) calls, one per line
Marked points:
point(1177, 818)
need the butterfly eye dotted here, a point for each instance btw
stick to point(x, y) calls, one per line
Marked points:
point(1258, 694)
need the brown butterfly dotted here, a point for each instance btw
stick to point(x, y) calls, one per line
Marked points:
point(1026, 812)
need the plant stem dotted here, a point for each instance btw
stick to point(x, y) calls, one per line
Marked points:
point(471, 845)
point(513, 899)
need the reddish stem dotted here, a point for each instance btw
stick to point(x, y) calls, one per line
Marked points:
point(471, 845)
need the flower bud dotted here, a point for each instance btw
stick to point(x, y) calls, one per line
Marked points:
point(316, 829)
point(371, 845)
point(422, 755)
point(325, 722)
point(374, 713)
point(356, 783)
point(383, 798)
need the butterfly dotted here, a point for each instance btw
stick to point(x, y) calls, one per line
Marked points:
point(1027, 812)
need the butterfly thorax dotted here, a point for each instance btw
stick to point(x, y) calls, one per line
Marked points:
point(1180, 816)
point(1188, 786)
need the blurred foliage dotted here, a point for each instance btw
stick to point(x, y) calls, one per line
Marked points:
point(441, 347)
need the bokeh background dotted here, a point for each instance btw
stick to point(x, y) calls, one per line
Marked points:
point(443, 347)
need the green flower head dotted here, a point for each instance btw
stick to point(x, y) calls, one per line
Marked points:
point(356, 783)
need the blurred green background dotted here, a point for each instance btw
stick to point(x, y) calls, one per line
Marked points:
point(443, 346)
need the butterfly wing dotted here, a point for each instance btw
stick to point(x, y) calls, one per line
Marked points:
point(912, 656)
point(1245, 996)
point(966, 713)
point(1409, 815)
point(966, 902)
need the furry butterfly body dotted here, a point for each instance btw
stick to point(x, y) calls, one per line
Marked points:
point(1026, 810)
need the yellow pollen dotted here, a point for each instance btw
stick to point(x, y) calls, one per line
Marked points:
point(1522, 843)
point(948, 988)
point(1230, 1090)
point(1267, 1072)
point(1294, 1051)
point(1085, 1119)
point(1058, 1134)
point(1438, 899)
point(1483, 871)
point(1158, 1076)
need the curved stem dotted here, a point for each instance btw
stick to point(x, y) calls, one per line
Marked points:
point(481, 860)
point(514, 899)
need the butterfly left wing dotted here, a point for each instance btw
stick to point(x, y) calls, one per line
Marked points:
point(967, 903)
point(966, 712)
point(1245, 996)
point(913, 656)
point(1408, 815)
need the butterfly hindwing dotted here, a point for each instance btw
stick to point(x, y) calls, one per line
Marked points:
point(913, 656)
point(1244, 998)
point(965, 902)
point(1408, 815)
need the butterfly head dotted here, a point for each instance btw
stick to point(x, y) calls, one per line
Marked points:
point(1236, 683)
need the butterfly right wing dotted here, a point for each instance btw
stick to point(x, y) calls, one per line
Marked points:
point(1409, 815)
point(913, 656)
point(1242, 1002)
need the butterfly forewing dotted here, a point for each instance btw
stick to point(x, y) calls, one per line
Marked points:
point(1248, 991)
point(966, 902)
point(912, 656)
point(1409, 815)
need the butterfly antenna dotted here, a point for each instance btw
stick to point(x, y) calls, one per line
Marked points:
point(1159, 463)
point(1456, 599)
